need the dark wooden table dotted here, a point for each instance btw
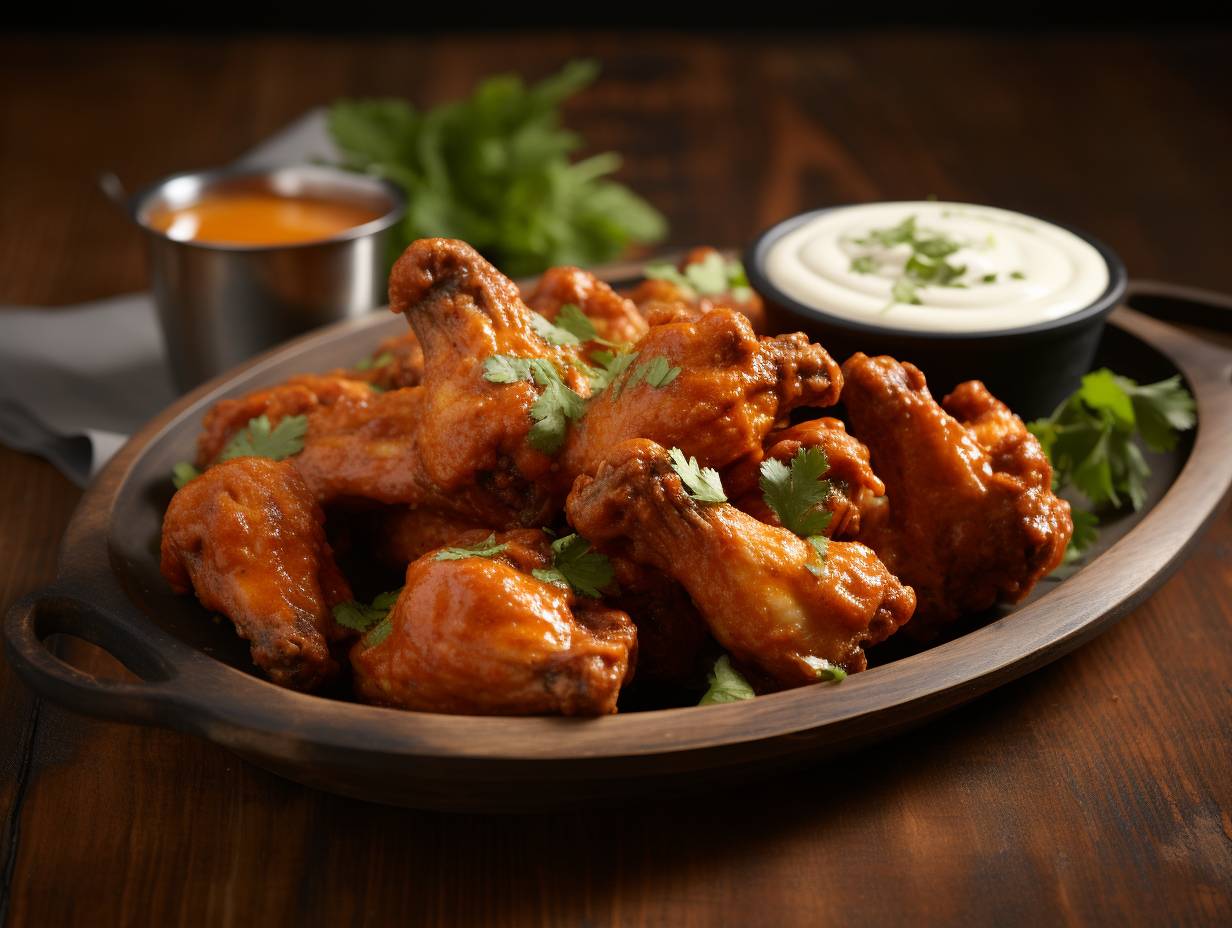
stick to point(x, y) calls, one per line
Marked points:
point(1098, 790)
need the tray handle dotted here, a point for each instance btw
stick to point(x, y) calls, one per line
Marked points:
point(32, 620)
point(1175, 303)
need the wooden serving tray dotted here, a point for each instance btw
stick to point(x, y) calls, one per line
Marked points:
point(196, 675)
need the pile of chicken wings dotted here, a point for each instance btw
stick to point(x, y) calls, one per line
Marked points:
point(471, 486)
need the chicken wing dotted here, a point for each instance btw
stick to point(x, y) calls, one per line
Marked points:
point(473, 433)
point(397, 362)
point(758, 587)
point(731, 389)
point(248, 537)
point(971, 518)
point(482, 636)
point(615, 318)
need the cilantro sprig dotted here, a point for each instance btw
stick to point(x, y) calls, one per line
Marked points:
point(702, 483)
point(1091, 440)
point(712, 276)
point(727, 684)
point(486, 548)
point(257, 439)
point(494, 169)
point(369, 619)
point(576, 566)
point(572, 327)
point(556, 406)
point(797, 493)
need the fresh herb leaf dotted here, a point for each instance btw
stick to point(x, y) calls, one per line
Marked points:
point(1089, 438)
point(714, 275)
point(659, 372)
point(494, 169)
point(486, 548)
point(864, 264)
point(1018, 275)
point(702, 483)
point(573, 320)
point(797, 493)
point(262, 441)
point(826, 672)
point(904, 291)
point(1086, 533)
point(363, 617)
point(183, 474)
point(379, 634)
point(575, 565)
point(551, 333)
point(611, 366)
point(727, 684)
point(554, 408)
point(377, 360)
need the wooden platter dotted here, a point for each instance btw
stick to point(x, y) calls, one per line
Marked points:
point(196, 675)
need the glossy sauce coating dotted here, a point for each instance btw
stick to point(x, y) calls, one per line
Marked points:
point(482, 636)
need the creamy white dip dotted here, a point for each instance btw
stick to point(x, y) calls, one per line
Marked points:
point(1015, 270)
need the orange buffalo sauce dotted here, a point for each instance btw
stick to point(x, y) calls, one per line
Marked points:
point(259, 219)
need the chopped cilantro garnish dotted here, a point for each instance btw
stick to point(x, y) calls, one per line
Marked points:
point(657, 372)
point(712, 276)
point(826, 672)
point(573, 320)
point(554, 408)
point(611, 366)
point(377, 360)
point(183, 474)
point(552, 333)
point(262, 441)
point(702, 483)
point(864, 264)
point(363, 617)
point(486, 548)
point(797, 495)
point(727, 684)
point(575, 565)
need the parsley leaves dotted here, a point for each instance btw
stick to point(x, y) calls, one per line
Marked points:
point(486, 548)
point(554, 408)
point(575, 565)
point(257, 439)
point(727, 684)
point(702, 483)
point(494, 169)
point(1090, 440)
point(712, 276)
point(797, 494)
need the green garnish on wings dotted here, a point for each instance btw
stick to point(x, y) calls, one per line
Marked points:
point(712, 276)
point(369, 619)
point(486, 548)
point(257, 439)
point(575, 565)
point(556, 406)
point(797, 493)
point(727, 684)
point(702, 483)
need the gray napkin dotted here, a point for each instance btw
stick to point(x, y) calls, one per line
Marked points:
point(75, 382)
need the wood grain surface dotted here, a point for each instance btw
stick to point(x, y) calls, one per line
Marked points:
point(1098, 790)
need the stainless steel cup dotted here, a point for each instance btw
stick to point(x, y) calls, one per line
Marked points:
point(221, 304)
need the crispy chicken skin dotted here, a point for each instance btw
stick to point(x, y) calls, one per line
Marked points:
point(650, 294)
point(854, 487)
point(473, 433)
point(482, 636)
point(615, 317)
point(750, 581)
point(971, 518)
point(674, 646)
point(731, 390)
point(248, 537)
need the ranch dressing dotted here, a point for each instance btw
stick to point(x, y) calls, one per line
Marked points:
point(971, 268)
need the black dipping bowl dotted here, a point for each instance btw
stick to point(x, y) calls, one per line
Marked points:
point(1031, 369)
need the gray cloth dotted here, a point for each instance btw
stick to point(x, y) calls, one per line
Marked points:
point(75, 382)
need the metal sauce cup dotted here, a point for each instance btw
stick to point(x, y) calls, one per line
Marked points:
point(220, 304)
